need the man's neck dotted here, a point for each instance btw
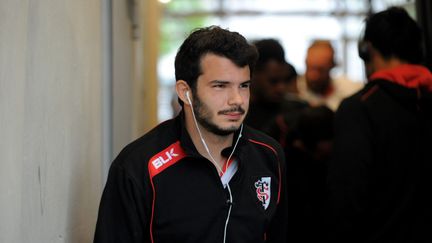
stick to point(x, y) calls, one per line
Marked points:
point(383, 64)
point(379, 62)
point(214, 142)
point(324, 90)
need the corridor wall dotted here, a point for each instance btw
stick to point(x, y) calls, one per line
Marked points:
point(50, 120)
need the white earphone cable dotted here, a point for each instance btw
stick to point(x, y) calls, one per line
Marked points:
point(229, 213)
point(216, 165)
point(202, 139)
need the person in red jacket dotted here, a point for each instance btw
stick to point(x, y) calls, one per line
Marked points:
point(202, 176)
point(380, 178)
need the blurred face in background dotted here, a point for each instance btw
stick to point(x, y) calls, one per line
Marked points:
point(319, 63)
point(271, 83)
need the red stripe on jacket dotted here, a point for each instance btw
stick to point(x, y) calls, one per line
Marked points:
point(158, 163)
point(279, 169)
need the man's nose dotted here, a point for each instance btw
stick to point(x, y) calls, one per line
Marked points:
point(235, 97)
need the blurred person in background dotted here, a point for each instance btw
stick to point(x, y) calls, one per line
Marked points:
point(273, 78)
point(309, 152)
point(304, 132)
point(380, 178)
point(317, 86)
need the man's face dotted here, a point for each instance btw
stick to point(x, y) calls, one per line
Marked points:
point(221, 99)
point(272, 82)
point(319, 62)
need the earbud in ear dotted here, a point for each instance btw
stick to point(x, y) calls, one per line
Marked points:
point(188, 98)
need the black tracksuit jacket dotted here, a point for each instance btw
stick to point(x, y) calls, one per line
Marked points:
point(380, 180)
point(160, 189)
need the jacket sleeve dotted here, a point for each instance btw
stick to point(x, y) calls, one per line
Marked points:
point(122, 216)
point(348, 173)
point(278, 226)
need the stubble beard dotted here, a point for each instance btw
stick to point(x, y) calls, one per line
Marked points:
point(204, 118)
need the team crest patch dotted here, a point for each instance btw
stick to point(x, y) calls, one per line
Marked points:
point(263, 191)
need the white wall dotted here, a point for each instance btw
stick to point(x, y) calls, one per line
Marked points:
point(50, 120)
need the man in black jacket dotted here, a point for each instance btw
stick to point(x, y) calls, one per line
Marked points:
point(203, 176)
point(380, 178)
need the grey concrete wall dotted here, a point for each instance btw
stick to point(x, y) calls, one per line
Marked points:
point(50, 120)
point(122, 75)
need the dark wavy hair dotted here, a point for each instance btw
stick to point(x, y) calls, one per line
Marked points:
point(395, 34)
point(268, 50)
point(215, 40)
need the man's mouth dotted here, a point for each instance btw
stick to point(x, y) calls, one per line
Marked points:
point(234, 114)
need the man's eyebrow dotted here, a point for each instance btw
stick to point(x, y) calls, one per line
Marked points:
point(227, 82)
point(219, 82)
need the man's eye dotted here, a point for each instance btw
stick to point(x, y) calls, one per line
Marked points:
point(245, 85)
point(219, 85)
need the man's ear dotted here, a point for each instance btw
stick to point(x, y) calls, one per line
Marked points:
point(182, 88)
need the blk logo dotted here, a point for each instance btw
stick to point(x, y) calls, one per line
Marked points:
point(164, 158)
